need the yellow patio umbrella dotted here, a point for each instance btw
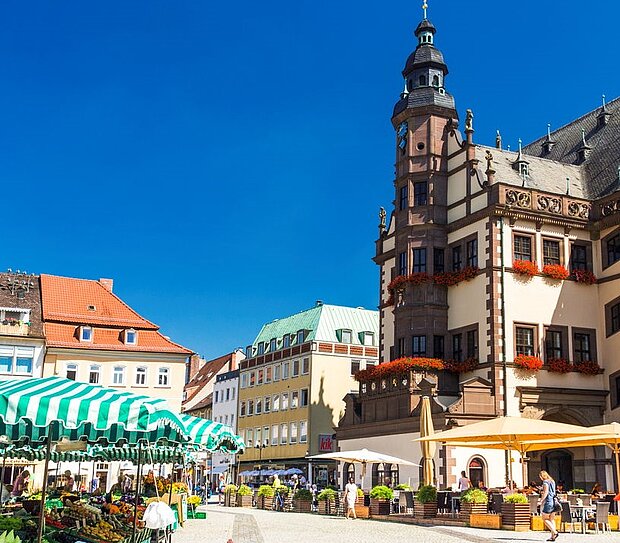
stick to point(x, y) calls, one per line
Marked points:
point(428, 447)
point(510, 433)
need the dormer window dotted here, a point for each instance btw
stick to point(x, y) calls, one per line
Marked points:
point(14, 316)
point(524, 171)
point(286, 341)
point(346, 336)
point(261, 348)
point(131, 337)
point(273, 345)
point(86, 333)
point(248, 351)
point(92, 308)
point(300, 336)
point(368, 338)
point(435, 81)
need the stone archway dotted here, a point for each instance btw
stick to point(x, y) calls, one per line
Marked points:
point(559, 464)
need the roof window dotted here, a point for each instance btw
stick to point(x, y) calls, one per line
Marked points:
point(92, 308)
point(86, 333)
point(131, 337)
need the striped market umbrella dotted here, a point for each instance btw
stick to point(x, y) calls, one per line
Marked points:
point(54, 407)
point(211, 435)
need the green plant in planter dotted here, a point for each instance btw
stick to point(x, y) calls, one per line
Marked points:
point(402, 486)
point(303, 494)
point(232, 489)
point(360, 493)
point(327, 494)
point(474, 495)
point(282, 490)
point(427, 494)
point(516, 498)
point(381, 492)
point(266, 491)
point(577, 491)
point(244, 490)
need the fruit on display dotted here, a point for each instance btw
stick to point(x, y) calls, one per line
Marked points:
point(102, 531)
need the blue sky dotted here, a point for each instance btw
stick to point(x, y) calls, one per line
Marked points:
point(224, 161)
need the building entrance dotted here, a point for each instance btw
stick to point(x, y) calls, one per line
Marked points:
point(559, 464)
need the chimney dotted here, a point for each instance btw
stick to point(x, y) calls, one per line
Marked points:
point(194, 366)
point(107, 283)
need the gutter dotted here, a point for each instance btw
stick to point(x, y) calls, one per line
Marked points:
point(507, 457)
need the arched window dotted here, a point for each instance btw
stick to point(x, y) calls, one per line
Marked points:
point(385, 474)
point(477, 471)
point(348, 471)
point(435, 81)
point(422, 81)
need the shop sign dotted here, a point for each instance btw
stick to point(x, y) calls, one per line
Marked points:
point(326, 442)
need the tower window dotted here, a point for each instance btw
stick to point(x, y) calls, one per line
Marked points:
point(422, 81)
point(419, 260)
point(438, 260)
point(418, 345)
point(419, 193)
point(435, 81)
point(402, 263)
point(404, 197)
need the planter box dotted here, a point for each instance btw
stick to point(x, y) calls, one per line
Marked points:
point(468, 509)
point(244, 501)
point(425, 510)
point(486, 520)
point(264, 502)
point(613, 522)
point(380, 507)
point(538, 525)
point(362, 511)
point(302, 506)
point(230, 499)
point(516, 516)
point(326, 507)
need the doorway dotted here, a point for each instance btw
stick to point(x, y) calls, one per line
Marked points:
point(559, 464)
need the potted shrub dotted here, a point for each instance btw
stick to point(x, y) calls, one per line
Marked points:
point(426, 502)
point(516, 513)
point(302, 501)
point(473, 502)
point(265, 497)
point(244, 496)
point(230, 495)
point(381, 498)
point(327, 501)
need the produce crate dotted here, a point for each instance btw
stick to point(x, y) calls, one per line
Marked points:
point(200, 514)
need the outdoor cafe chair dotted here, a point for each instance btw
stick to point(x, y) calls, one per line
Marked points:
point(533, 499)
point(443, 502)
point(586, 500)
point(566, 517)
point(408, 505)
point(496, 502)
point(601, 516)
point(572, 499)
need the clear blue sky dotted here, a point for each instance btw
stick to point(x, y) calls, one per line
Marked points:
point(224, 161)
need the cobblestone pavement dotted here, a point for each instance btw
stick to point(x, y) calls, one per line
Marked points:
point(254, 526)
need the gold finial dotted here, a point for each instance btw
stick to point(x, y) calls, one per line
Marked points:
point(424, 7)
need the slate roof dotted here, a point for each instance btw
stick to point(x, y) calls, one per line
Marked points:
point(600, 170)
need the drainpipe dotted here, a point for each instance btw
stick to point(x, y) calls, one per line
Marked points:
point(507, 457)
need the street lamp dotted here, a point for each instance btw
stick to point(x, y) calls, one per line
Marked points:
point(259, 447)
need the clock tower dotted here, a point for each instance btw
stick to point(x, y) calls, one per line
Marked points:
point(414, 317)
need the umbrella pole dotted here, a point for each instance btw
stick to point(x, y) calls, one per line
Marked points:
point(135, 513)
point(617, 455)
point(2, 471)
point(48, 451)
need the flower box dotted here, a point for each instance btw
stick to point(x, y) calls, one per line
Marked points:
point(584, 277)
point(302, 506)
point(468, 509)
point(327, 506)
point(527, 362)
point(516, 516)
point(362, 511)
point(555, 271)
point(264, 502)
point(485, 520)
point(380, 507)
point(425, 510)
point(525, 267)
point(244, 501)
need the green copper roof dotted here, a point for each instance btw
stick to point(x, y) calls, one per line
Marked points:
point(321, 323)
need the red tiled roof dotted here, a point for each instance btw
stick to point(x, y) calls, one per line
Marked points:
point(109, 339)
point(201, 405)
point(206, 374)
point(66, 299)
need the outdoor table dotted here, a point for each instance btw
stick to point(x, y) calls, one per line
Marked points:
point(455, 505)
point(581, 509)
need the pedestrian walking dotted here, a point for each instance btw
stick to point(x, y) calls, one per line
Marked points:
point(464, 482)
point(350, 497)
point(548, 504)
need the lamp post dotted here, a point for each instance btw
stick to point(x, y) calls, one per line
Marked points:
point(259, 447)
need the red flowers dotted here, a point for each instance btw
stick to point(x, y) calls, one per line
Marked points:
point(555, 271)
point(454, 366)
point(525, 267)
point(418, 278)
point(587, 367)
point(528, 362)
point(560, 365)
point(455, 277)
point(402, 366)
point(584, 276)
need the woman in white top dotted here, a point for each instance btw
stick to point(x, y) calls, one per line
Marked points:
point(464, 482)
point(350, 496)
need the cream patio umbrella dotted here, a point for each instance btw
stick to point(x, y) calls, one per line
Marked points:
point(363, 457)
point(428, 447)
point(510, 433)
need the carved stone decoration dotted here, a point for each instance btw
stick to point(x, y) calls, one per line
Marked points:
point(579, 209)
point(533, 412)
point(549, 204)
point(519, 198)
point(469, 120)
point(610, 208)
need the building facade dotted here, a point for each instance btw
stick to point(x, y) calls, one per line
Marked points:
point(225, 411)
point(293, 381)
point(490, 257)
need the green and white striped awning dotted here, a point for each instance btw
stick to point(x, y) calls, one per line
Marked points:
point(55, 407)
point(211, 435)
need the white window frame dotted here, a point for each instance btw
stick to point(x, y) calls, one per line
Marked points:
point(297, 363)
point(286, 370)
point(273, 344)
point(71, 367)
point(267, 404)
point(245, 379)
point(277, 372)
point(294, 394)
point(349, 336)
point(116, 373)
point(163, 371)
point(142, 371)
point(305, 365)
point(92, 370)
point(301, 397)
point(275, 403)
point(25, 314)
point(284, 433)
point(89, 329)
point(292, 433)
point(275, 434)
point(368, 336)
point(129, 332)
point(14, 353)
point(284, 402)
point(303, 434)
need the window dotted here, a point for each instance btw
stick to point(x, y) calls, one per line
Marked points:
point(476, 471)
point(252, 378)
point(141, 376)
point(457, 258)
point(267, 404)
point(303, 431)
point(225, 419)
point(418, 345)
point(260, 374)
point(276, 372)
point(24, 357)
point(118, 375)
point(242, 409)
point(274, 434)
point(286, 341)
point(284, 405)
point(86, 333)
point(613, 249)
point(71, 372)
point(438, 260)
point(283, 434)
point(285, 370)
point(93, 375)
point(294, 399)
point(404, 197)
point(232, 394)
point(420, 193)
point(163, 377)
point(457, 347)
point(579, 257)
point(419, 260)
point(303, 397)
point(522, 248)
point(472, 343)
point(250, 407)
point(614, 319)
point(227, 394)
point(259, 406)
point(250, 434)
point(14, 315)
point(422, 78)
point(347, 336)
point(355, 366)
point(300, 337)
point(401, 347)
point(258, 436)
point(368, 338)
point(293, 436)
point(582, 346)
point(276, 403)
point(244, 380)
point(553, 344)
point(472, 253)
point(273, 344)
point(524, 339)
point(268, 373)
point(295, 368)
point(266, 436)
point(261, 348)
point(402, 264)
point(248, 351)
point(438, 346)
point(551, 252)
point(435, 81)
point(305, 366)
point(131, 337)
point(217, 395)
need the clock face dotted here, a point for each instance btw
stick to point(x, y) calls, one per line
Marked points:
point(402, 136)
